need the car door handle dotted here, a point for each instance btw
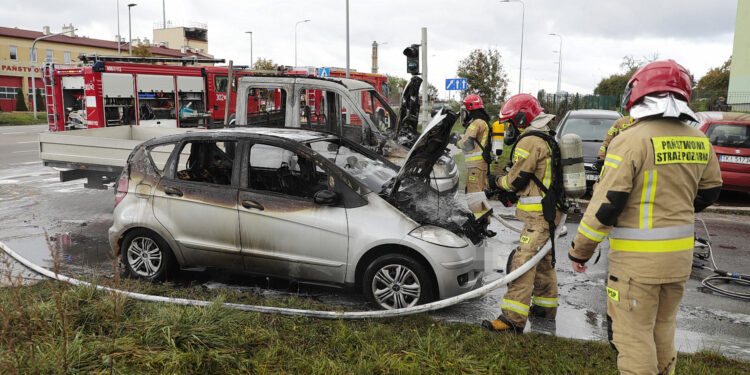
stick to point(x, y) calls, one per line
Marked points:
point(252, 204)
point(172, 191)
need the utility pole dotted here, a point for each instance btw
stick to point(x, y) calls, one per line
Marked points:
point(119, 39)
point(523, 17)
point(295, 40)
point(347, 39)
point(251, 47)
point(559, 62)
point(130, 30)
point(229, 93)
point(163, 15)
point(425, 83)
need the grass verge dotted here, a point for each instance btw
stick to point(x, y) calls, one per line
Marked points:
point(102, 333)
point(22, 118)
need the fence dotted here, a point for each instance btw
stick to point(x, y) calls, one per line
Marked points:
point(560, 104)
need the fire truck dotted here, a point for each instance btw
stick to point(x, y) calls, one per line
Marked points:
point(112, 91)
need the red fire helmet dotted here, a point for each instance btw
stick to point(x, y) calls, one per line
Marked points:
point(658, 76)
point(473, 102)
point(522, 103)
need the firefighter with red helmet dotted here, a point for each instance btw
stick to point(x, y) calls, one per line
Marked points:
point(531, 177)
point(475, 144)
point(655, 177)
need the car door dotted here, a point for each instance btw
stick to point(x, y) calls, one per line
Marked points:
point(197, 202)
point(283, 231)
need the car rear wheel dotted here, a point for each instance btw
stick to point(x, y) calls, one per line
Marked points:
point(395, 281)
point(145, 255)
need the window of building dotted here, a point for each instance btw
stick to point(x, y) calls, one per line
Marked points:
point(8, 92)
point(13, 53)
point(50, 55)
point(67, 57)
point(32, 54)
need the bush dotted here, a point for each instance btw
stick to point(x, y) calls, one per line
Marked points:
point(20, 101)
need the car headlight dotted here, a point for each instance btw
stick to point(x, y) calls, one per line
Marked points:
point(438, 236)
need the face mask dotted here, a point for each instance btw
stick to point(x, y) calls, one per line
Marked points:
point(511, 133)
point(464, 116)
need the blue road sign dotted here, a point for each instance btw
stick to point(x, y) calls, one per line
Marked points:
point(324, 72)
point(455, 84)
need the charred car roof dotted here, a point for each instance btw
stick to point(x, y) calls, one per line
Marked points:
point(289, 134)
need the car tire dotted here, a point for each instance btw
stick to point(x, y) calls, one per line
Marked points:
point(145, 255)
point(384, 280)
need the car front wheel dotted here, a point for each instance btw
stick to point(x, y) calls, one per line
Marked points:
point(145, 255)
point(396, 281)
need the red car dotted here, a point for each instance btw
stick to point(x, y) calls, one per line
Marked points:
point(729, 133)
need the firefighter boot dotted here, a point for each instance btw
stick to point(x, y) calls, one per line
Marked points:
point(500, 325)
point(543, 312)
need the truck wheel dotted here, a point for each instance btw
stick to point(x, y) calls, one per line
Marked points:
point(395, 281)
point(232, 119)
point(145, 255)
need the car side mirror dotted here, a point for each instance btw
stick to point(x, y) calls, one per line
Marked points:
point(326, 198)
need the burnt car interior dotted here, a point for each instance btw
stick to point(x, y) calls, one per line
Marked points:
point(282, 171)
point(207, 161)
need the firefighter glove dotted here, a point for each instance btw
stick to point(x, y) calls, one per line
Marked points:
point(454, 138)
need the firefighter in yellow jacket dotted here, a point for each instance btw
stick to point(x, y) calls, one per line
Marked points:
point(655, 177)
point(535, 292)
point(618, 127)
point(473, 144)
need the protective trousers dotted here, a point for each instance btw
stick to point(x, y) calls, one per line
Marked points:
point(476, 182)
point(643, 323)
point(538, 286)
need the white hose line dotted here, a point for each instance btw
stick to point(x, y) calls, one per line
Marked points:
point(297, 312)
point(506, 224)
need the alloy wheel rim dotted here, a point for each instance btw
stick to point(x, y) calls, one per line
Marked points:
point(144, 256)
point(396, 286)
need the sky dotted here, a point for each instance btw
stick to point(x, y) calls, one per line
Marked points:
point(596, 34)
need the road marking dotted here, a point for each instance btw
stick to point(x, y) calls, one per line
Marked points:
point(18, 152)
point(20, 143)
point(9, 133)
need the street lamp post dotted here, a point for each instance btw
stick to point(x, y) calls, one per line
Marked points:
point(251, 47)
point(559, 62)
point(523, 16)
point(130, 34)
point(33, 79)
point(119, 39)
point(295, 40)
point(347, 39)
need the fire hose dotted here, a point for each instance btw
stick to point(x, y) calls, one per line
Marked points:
point(719, 275)
point(432, 306)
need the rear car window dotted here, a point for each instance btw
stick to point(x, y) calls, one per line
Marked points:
point(159, 155)
point(589, 129)
point(729, 135)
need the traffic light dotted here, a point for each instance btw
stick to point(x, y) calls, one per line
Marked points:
point(412, 59)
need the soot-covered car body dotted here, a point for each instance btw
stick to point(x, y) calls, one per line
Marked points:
point(299, 204)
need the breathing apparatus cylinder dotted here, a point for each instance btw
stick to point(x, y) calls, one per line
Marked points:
point(498, 133)
point(573, 174)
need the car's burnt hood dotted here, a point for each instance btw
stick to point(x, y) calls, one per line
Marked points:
point(410, 190)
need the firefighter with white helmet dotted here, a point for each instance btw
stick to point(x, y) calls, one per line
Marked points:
point(475, 145)
point(655, 177)
point(532, 177)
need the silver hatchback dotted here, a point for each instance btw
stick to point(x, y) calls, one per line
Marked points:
point(298, 204)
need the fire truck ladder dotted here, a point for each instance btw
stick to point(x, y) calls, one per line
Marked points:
point(49, 94)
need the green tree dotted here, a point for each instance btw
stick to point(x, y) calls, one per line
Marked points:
point(614, 85)
point(483, 70)
point(20, 101)
point(142, 51)
point(394, 83)
point(264, 64)
point(715, 83)
point(40, 105)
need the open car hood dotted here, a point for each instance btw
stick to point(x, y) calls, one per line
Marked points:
point(426, 150)
point(408, 114)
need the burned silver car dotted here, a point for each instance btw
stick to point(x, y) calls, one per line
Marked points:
point(300, 204)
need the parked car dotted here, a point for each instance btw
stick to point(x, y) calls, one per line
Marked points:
point(729, 133)
point(300, 204)
point(592, 126)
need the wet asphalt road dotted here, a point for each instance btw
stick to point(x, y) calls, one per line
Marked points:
point(38, 213)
